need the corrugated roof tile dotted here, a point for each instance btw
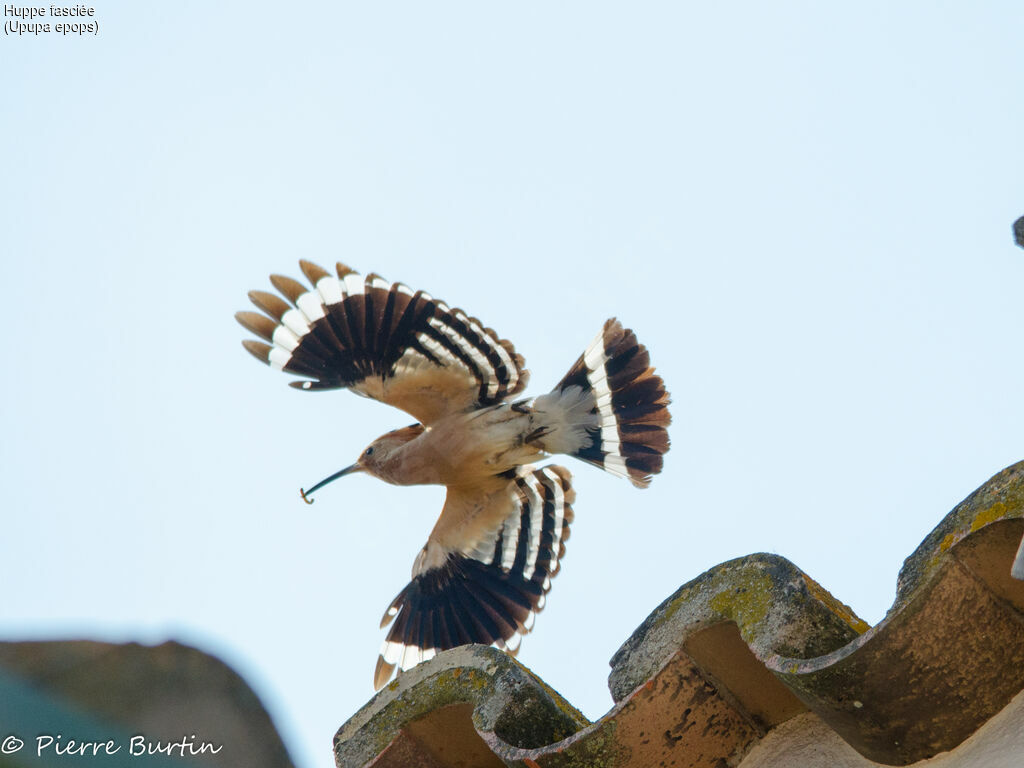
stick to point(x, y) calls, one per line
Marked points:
point(742, 649)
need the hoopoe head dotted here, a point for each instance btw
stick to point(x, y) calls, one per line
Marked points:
point(377, 459)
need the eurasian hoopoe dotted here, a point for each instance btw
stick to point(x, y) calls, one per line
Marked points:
point(488, 563)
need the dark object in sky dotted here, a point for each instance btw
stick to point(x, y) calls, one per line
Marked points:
point(1018, 231)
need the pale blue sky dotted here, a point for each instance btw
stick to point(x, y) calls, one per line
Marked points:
point(803, 210)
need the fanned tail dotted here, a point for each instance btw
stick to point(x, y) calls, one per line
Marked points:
point(610, 409)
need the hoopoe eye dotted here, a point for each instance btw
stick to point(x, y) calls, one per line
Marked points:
point(369, 451)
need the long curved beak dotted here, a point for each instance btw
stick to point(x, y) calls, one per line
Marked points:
point(326, 480)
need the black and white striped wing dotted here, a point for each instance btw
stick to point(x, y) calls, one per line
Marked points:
point(381, 340)
point(489, 590)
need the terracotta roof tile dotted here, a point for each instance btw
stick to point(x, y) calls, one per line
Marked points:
point(743, 649)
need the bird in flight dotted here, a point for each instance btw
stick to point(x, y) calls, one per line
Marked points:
point(487, 566)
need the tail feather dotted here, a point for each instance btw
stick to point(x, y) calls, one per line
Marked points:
point(611, 408)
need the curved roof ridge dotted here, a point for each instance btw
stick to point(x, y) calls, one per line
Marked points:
point(742, 648)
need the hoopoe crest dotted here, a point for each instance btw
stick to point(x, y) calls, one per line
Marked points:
point(487, 566)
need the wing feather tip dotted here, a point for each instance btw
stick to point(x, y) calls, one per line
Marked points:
point(382, 673)
point(256, 323)
point(313, 272)
point(257, 349)
point(289, 287)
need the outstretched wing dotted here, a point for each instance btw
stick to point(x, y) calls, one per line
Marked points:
point(383, 341)
point(485, 571)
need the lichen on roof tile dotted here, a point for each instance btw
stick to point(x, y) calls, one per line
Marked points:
point(1001, 498)
point(741, 649)
point(779, 611)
